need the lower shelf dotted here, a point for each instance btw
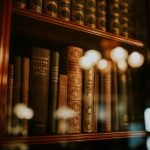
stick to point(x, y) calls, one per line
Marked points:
point(47, 139)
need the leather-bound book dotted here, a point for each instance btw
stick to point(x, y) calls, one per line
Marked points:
point(39, 89)
point(20, 3)
point(88, 100)
point(74, 85)
point(36, 6)
point(53, 97)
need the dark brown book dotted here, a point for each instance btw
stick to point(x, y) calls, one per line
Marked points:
point(16, 90)
point(20, 3)
point(39, 89)
point(74, 85)
point(9, 99)
point(50, 7)
point(62, 104)
point(88, 101)
point(25, 90)
point(36, 5)
point(53, 101)
point(123, 101)
point(114, 99)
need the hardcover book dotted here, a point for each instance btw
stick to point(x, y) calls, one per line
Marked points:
point(88, 101)
point(53, 101)
point(74, 86)
point(39, 89)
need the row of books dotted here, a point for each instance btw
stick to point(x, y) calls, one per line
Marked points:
point(64, 97)
point(107, 15)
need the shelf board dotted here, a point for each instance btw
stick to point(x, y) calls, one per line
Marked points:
point(68, 25)
point(47, 139)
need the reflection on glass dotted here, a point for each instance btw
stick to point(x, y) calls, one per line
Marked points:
point(147, 119)
point(103, 65)
point(122, 65)
point(148, 143)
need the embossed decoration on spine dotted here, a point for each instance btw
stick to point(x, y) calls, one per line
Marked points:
point(74, 88)
point(64, 9)
point(90, 16)
point(88, 98)
point(51, 8)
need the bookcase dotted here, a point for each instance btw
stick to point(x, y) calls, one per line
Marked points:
point(25, 28)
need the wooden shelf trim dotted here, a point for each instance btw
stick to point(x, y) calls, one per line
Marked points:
point(75, 27)
point(72, 138)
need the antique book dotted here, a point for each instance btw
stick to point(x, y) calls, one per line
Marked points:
point(96, 100)
point(123, 101)
point(50, 7)
point(90, 13)
point(53, 97)
point(62, 104)
point(36, 6)
point(74, 86)
point(113, 22)
point(88, 101)
point(77, 11)
point(9, 110)
point(114, 99)
point(39, 89)
point(64, 9)
point(25, 89)
point(16, 89)
point(101, 14)
point(20, 3)
point(124, 18)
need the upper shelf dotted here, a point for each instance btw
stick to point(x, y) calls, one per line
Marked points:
point(56, 29)
point(72, 137)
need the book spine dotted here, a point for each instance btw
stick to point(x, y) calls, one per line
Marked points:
point(38, 89)
point(10, 98)
point(53, 102)
point(35, 6)
point(16, 88)
point(25, 89)
point(64, 9)
point(101, 15)
point(77, 11)
point(20, 3)
point(113, 17)
point(114, 101)
point(90, 13)
point(124, 19)
point(74, 85)
point(50, 7)
point(62, 104)
point(88, 100)
point(96, 101)
point(123, 102)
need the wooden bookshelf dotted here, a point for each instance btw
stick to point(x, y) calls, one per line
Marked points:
point(47, 139)
point(37, 25)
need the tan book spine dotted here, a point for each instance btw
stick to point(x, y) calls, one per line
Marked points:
point(88, 100)
point(74, 88)
point(62, 104)
point(25, 89)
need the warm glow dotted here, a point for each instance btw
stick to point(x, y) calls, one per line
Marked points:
point(85, 62)
point(118, 53)
point(23, 112)
point(147, 119)
point(103, 65)
point(94, 55)
point(65, 113)
point(136, 59)
point(122, 65)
